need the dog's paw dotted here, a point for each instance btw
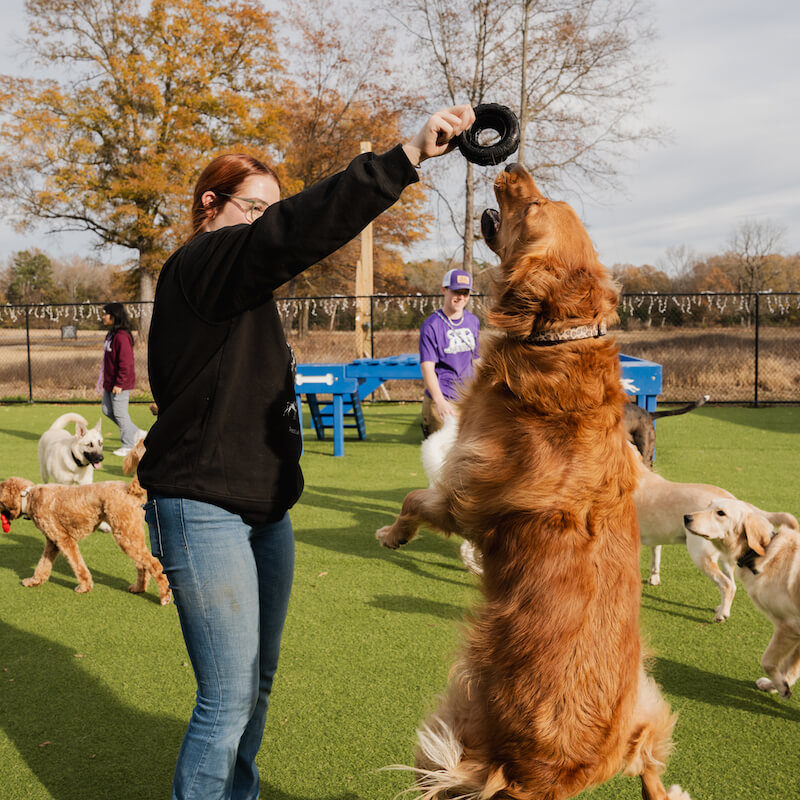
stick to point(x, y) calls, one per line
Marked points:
point(654, 580)
point(766, 685)
point(720, 614)
point(31, 582)
point(136, 588)
point(82, 588)
point(389, 538)
point(104, 527)
point(676, 793)
point(166, 599)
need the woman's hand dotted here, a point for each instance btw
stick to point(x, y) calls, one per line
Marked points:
point(116, 390)
point(436, 136)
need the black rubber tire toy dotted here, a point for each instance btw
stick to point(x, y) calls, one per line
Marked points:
point(490, 117)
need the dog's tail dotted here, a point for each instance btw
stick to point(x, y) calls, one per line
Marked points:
point(65, 419)
point(682, 410)
point(135, 489)
point(447, 773)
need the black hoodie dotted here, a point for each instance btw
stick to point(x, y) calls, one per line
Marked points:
point(221, 371)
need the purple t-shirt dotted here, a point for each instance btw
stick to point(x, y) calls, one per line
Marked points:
point(452, 348)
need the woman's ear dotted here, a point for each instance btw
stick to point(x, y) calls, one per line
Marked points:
point(207, 199)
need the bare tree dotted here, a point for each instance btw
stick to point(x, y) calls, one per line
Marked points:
point(752, 244)
point(464, 46)
point(579, 72)
point(584, 75)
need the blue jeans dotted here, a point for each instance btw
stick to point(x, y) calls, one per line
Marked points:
point(115, 407)
point(231, 584)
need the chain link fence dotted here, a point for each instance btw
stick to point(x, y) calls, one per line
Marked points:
point(737, 348)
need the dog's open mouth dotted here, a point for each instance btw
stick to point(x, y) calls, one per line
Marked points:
point(95, 459)
point(490, 224)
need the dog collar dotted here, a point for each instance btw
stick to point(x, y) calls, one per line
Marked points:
point(75, 459)
point(748, 559)
point(546, 338)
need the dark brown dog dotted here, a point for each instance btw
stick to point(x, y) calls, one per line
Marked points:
point(640, 429)
point(67, 514)
point(550, 696)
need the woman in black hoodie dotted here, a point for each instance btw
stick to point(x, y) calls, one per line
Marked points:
point(222, 460)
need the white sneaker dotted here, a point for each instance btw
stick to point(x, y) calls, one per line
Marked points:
point(123, 451)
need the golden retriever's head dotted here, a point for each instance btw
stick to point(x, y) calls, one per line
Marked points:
point(732, 526)
point(551, 277)
point(10, 500)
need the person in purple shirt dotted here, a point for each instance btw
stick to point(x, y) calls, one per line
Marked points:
point(448, 344)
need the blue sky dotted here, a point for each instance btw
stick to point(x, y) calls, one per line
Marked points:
point(730, 94)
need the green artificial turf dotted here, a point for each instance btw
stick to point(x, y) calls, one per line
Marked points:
point(95, 689)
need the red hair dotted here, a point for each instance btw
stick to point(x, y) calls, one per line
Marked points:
point(224, 175)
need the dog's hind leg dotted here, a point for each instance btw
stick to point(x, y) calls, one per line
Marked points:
point(146, 565)
point(421, 507)
point(650, 742)
point(655, 565)
point(777, 657)
point(45, 565)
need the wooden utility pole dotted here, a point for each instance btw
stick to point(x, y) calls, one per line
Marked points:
point(364, 286)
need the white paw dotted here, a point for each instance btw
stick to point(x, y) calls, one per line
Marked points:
point(655, 580)
point(105, 527)
point(766, 685)
point(676, 793)
point(721, 614)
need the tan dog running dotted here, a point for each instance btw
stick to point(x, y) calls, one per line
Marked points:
point(768, 565)
point(67, 514)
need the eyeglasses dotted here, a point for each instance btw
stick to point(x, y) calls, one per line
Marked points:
point(255, 208)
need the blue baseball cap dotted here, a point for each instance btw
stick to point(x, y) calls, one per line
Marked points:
point(456, 279)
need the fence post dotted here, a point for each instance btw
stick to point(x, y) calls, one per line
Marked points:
point(371, 327)
point(755, 393)
point(28, 342)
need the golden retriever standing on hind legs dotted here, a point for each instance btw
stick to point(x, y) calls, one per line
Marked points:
point(550, 696)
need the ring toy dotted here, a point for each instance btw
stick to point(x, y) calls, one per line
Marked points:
point(490, 117)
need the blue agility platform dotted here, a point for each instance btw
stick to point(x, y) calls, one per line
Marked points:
point(348, 384)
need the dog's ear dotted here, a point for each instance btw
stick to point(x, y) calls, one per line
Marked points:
point(758, 531)
point(10, 495)
point(80, 429)
point(97, 427)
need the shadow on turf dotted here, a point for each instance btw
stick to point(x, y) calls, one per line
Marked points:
point(31, 437)
point(650, 600)
point(699, 685)
point(417, 605)
point(76, 735)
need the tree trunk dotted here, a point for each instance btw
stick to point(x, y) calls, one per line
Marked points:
point(523, 100)
point(469, 216)
point(146, 296)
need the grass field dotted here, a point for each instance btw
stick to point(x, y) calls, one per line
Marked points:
point(95, 689)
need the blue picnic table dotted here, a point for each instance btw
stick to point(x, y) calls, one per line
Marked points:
point(348, 384)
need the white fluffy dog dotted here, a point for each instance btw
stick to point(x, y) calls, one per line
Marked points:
point(70, 458)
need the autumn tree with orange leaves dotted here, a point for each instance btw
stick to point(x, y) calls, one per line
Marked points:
point(137, 103)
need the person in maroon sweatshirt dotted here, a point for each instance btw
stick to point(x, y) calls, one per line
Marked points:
point(221, 466)
point(119, 376)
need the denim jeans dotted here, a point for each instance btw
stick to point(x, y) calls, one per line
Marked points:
point(231, 584)
point(115, 407)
